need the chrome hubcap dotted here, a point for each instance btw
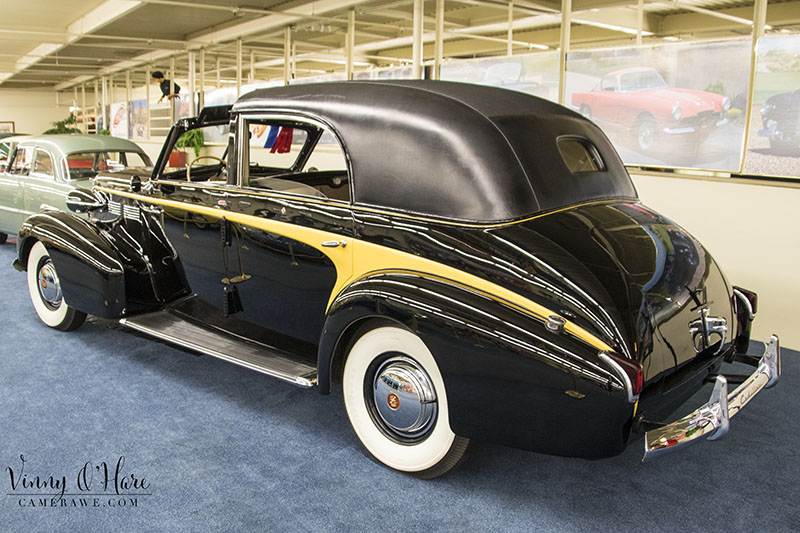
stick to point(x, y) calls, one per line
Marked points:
point(404, 397)
point(49, 286)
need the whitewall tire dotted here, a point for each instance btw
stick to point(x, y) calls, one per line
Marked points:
point(45, 290)
point(397, 404)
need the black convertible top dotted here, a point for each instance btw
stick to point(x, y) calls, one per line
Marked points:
point(453, 150)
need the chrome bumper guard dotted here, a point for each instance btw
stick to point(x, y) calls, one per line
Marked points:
point(712, 420)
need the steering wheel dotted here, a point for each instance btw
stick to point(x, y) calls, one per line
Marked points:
point(196, 159)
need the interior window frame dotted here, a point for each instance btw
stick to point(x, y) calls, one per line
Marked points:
point(298, 121)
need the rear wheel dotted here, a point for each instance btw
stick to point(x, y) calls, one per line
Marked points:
point(781, 146)
point(45, 290)
point(396, 401)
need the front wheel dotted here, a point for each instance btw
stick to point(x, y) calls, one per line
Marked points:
point(396, 401)
point(45, 290)
point(646, 131)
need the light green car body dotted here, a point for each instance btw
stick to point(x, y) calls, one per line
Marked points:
point(27, 193)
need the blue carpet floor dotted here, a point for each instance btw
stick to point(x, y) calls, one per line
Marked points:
point(224, 448)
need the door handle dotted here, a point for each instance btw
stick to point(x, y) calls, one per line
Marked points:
point(334, 244)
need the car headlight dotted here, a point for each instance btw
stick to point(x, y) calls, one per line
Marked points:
point(676, 112)
point(767, 108)
point(726, 104)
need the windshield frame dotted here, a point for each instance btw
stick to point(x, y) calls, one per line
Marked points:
point(94, 154)
point(636, 75)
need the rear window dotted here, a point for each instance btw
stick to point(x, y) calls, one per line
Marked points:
point(580, 155)
point(567, 161)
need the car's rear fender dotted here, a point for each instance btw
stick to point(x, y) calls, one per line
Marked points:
point(89, 268)
point(509, 380)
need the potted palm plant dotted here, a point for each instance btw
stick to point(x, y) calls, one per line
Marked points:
point(191, 139)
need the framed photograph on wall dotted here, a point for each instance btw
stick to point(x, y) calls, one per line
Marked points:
point(7, 126)
point(773, 146)
point(679, 105)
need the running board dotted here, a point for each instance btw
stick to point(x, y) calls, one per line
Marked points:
point(255, 356)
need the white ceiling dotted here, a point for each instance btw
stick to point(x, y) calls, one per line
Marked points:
point(56, 44)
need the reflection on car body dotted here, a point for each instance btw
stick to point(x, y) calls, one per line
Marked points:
point(469, 263)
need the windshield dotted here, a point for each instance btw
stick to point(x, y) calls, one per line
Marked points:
point(85, 165)
point(199, 147)
point(643, 79)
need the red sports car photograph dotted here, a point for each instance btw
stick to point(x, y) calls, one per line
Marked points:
point(639, 100)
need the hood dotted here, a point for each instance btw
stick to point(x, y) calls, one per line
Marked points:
point(690, 100)
point(625, 273)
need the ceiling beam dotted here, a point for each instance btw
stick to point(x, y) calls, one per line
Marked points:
point(104, 14)
point(229, 33)
point(622, 19)
point(268, 22)
point(787, 13)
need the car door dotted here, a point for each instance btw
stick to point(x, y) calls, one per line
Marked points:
point(290, 229)
point(607, 100)
point(12, 206)
point(44, 188)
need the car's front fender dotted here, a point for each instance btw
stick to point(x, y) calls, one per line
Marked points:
point(91, 273)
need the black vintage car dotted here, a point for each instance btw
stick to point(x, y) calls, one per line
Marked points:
point(780, 117)
point(469, 262)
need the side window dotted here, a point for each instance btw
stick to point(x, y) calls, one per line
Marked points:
point(327, 155)
point(275, 146)
point(43, 164)
point(293, 157)
point(5, 150)
point(608, 84)
point(21, 165)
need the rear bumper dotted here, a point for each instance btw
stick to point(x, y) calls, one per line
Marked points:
point(711, 421)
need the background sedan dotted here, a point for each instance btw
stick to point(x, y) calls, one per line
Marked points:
point(41, 171)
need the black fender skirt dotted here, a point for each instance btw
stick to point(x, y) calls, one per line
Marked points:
point(509, 380)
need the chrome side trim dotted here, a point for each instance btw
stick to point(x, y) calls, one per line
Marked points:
point(618, 370)
point(15, 210)
point(711, 421)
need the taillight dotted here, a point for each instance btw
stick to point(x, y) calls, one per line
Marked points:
point(629, 371)
point(750, 296)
